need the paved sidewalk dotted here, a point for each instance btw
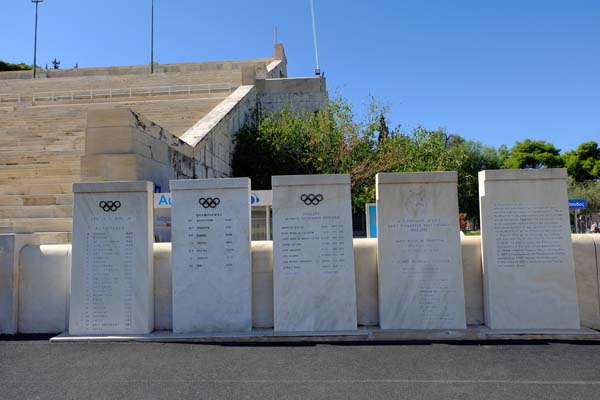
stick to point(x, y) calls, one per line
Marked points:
point(40, 370)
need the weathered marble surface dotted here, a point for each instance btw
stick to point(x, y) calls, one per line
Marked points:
point(212, 273)
point(9, 281)
point(163, 287)
point(262, 284)
point(586, 274)
point(472, 275)
point(365, 268)
point(419, 254)
point(44, 284)
point(314, 280)
point(112, 273)
point(528, 272)
point(10, 251)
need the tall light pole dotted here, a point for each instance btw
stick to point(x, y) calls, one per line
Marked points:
point(151, 37)
point(35, 37)
point(314, 28)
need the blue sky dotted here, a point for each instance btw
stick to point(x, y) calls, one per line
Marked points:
point(489, 70)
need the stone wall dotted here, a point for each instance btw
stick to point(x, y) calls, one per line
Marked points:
point(213, 136)
point(300, 94)
point(123, 145)
point(45, 273)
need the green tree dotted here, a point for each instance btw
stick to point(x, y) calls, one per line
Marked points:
point(6, 66)
point(533, 154)
point(583, 163)
point(589, 190)
point(476, 157)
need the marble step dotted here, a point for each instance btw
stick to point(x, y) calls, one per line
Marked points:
point(36, 189)
point(50, 170)
point(52, 211)
point(39, 179)
point(36, 200)
point(28, 225)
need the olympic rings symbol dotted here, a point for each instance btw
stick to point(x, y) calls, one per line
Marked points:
point(109, 205)
point(209, 202)
point(313, 199)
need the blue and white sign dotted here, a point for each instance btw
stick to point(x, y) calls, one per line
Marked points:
point(261, 198)
point(577, 204)
point(162, 200)
point(257, 198)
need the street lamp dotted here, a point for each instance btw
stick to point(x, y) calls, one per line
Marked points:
point(35, 37)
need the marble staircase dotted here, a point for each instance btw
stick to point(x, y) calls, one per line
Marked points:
point(41, 142)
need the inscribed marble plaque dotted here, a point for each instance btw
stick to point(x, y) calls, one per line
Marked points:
point(212, 274)
point(112, 284)
point(528, 270)
point(419, 255)
point(314, 281)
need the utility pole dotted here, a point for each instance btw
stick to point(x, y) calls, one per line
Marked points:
point(152, 37)
point(35, 37)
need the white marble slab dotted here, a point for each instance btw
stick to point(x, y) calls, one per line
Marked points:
point(262, 284)
point(314, 282)
point(365, 268)
point(212, 274)
point(528, 272)
point(420, 264)
point(163, 287)
point(10, 251)
point(44, 277)
point(112, 268)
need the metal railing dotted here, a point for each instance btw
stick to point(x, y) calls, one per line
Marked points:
point(109, 94)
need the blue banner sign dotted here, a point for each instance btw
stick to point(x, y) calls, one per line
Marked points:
point(371, 220)
point(577, 204)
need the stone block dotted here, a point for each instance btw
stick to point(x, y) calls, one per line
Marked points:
point(10, 253)
point(163, 287)
point(419, 254)
point(472, 274)
point(365, 269)
point(262, 284)
point(212, 273)
point(586, 274)
point(314, 280)
point(112, 276)
point(528, 271)
point(44, 285)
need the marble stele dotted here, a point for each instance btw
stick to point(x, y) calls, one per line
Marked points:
point(212, 273)
point(314, 282)
point(420, 265)
point(528, 272)
point(112, 283)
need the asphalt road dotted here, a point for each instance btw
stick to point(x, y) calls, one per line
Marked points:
point(40, 370)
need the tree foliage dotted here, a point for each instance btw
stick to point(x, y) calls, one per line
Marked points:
point(6, 66)
point(330, 142)
point(583, 164)
point(533, 154)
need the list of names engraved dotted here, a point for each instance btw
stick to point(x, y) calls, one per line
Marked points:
point(421, 256)
point(528, 233)
point(209, 240)
point(108, 274)
point(302, 232)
